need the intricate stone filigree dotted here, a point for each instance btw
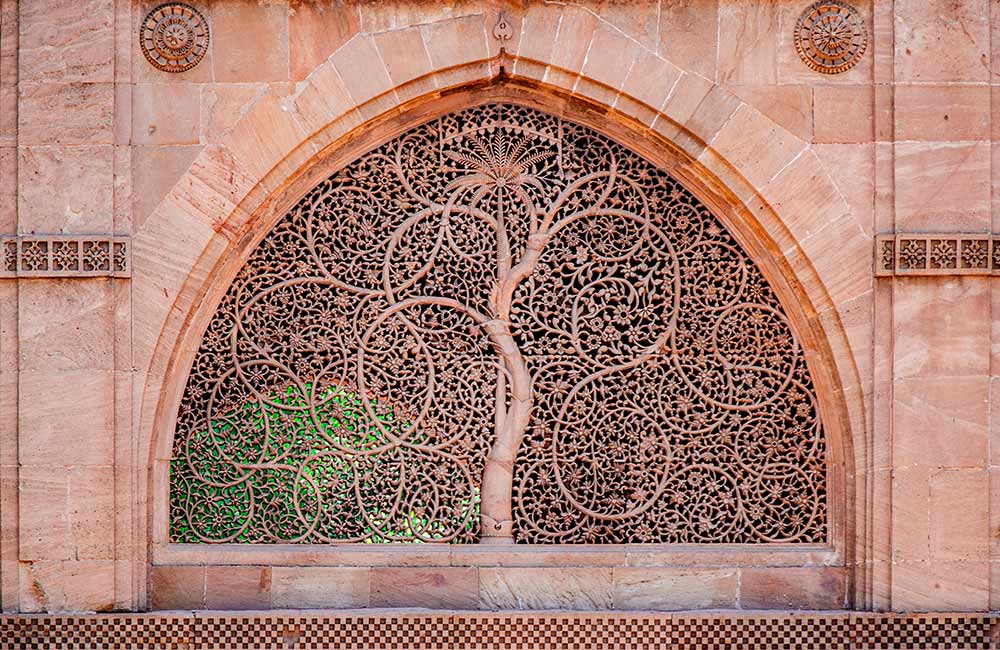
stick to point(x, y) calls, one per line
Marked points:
point(831, 36)
point(499, 325)
point(174, 37)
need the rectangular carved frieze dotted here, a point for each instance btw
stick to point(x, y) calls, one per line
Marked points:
point(65, 256)
point(937, 254)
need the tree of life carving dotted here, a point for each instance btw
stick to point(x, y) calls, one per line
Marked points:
point(500, 326)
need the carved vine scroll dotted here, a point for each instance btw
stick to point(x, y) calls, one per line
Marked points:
point(499, 326)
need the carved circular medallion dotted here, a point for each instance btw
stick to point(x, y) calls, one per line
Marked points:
point(174, 37)
point(831, 36)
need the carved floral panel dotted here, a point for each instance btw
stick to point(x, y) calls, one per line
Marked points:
point(500, 325)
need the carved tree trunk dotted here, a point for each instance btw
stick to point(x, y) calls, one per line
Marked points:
point(497, 490)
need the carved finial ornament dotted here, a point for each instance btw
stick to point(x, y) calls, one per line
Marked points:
point(502, 31)
point(174, 37)
point(831, 36)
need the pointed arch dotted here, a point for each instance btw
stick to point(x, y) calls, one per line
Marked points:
point(202, 233)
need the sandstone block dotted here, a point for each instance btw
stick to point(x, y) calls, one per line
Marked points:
point(844, 113)
point(570, 588)
point(178, 587)
point(793, 587)
point(436, 588)
point(320, 587)
point(238, 587)
point(65, 189)
point(85, 113)
point(238, 31)
point(669, 589)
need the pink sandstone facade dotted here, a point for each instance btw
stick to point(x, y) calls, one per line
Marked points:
point(131, 197)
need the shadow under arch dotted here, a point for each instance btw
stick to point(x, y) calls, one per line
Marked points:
point(205, 288)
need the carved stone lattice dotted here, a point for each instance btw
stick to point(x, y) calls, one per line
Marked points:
point(937, 254)
point(174, 37)
point(64, 256)
point(831, 36)
point(499, 325)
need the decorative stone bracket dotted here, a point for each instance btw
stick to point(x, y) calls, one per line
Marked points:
point(65, 256)
point(937, 254)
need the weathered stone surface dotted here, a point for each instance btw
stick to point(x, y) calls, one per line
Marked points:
point(178, 587)
point(647, 588)
point(751, 141)
point(959, 521)
point(43, 520)
point(795, 588)
point(222, 106)
point(91, 512)
point(66, 41)
point(844, 113)
point(88, 586)
point(940, 586)
point(938, 329)
point(688, 33)
point(65, 189)
point(439, 588)
point(155, 170)
point(942, 40)
point(238, 31)
point(66, 417)
point(942, 112)
point(320, 587)
point(166, 114)
point(238, 587)
point(748, 42)
point(77, 315)
point(546, 588)
point(790, 107)
point(315, 30)
point(85, 110)
point(404, 54)
point(941, 421)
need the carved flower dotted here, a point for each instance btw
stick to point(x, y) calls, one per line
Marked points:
point(96, 256)
point(34, 256)
point(912, 254)
point(64, 256)
point(974, 255)
point(943, 255)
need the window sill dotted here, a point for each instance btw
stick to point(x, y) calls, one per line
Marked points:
point(605, 555)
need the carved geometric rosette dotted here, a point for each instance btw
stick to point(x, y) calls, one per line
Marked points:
point(500, 324)
point(174, 37)
point(65, 256)
point(831, 36)
point(937, 254)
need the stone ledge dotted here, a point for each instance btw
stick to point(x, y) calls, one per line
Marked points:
point(490, 588)
point(307, 629)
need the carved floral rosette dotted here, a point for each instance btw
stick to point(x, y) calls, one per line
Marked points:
point(500, 323)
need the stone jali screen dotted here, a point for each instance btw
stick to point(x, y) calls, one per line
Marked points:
point(500, 325)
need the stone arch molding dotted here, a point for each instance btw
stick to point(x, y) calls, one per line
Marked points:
point(765, 183)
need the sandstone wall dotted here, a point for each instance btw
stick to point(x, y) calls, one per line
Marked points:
point(96, 141)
